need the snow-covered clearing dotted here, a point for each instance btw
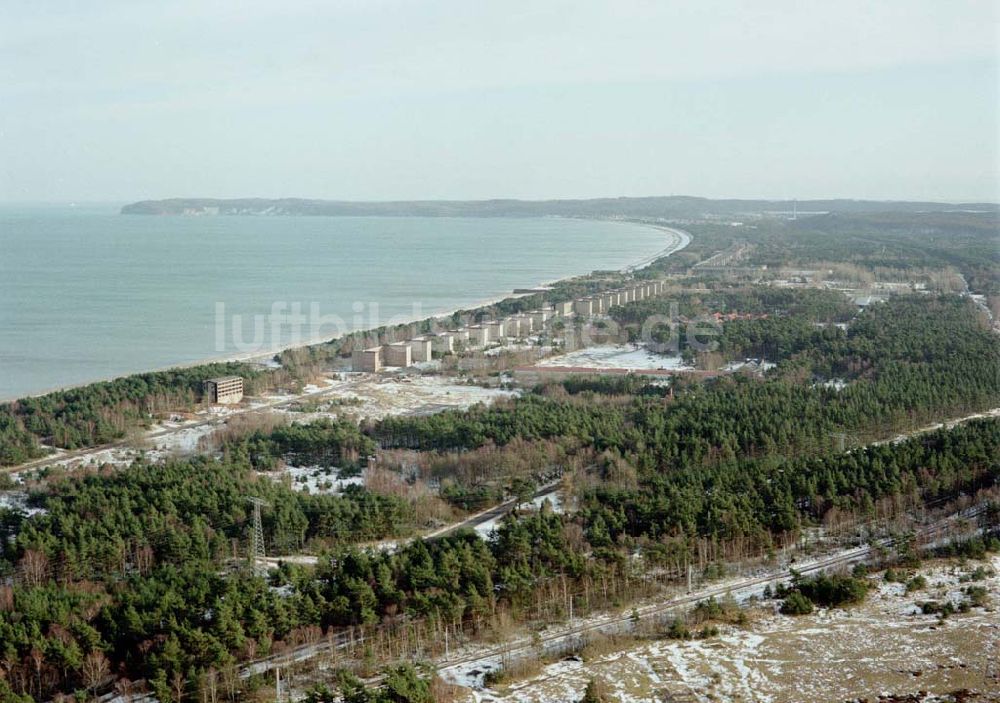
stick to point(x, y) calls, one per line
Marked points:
point(750, 365)
point(376, 396)
point(316, 479)
point(885, 645)
point(616, 356)
point(18, 500)
point(555, 503)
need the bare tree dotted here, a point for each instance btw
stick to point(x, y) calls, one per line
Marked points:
point(34, 567)
point(37, 657)
point(178, 683)
point(95, 669)
point(6, 598)
point(230, 679)
point(124, 687)
point(211, 686)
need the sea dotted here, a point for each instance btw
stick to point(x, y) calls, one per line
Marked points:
point(87, 293)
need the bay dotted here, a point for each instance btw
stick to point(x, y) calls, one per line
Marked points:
point(87, 293)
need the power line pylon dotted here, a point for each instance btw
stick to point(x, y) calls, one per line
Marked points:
point(991, 670)
point(257, 554)
point(843, 440)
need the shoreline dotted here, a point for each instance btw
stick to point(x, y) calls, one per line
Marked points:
point(683, 239)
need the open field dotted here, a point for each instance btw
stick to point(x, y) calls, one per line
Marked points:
point(882, 646)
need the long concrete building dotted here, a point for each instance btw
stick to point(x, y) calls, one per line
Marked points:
point(601, 303)
point(518, 326)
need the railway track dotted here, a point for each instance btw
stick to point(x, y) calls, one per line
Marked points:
point(617, 622)
point(342, 640)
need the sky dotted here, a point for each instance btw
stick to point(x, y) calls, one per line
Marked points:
point(458, 99)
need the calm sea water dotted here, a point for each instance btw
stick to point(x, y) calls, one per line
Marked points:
point(86, 293)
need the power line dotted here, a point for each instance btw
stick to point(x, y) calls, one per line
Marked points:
point(257, 554)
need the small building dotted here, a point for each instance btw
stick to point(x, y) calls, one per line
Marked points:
point(512, 327)
point(461, 335)
point(421, 349)
point(224, 390)
point(367, 360)
point(398, 354)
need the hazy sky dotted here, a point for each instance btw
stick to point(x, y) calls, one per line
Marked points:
point(372, 100)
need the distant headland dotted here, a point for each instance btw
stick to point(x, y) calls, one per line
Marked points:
point(673, 207)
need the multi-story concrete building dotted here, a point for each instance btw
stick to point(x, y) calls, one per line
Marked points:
point(444, 342)
point(564, 308)
point(398, 354)
point(479, 336)
point(512, 327)
point(525, 325)
point(224, 390)
point(584, 306)
point(367, 360)
point(539, 318)
point(495, 329)
point(421, 349)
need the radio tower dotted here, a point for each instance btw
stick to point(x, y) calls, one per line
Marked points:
point(257, 534)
